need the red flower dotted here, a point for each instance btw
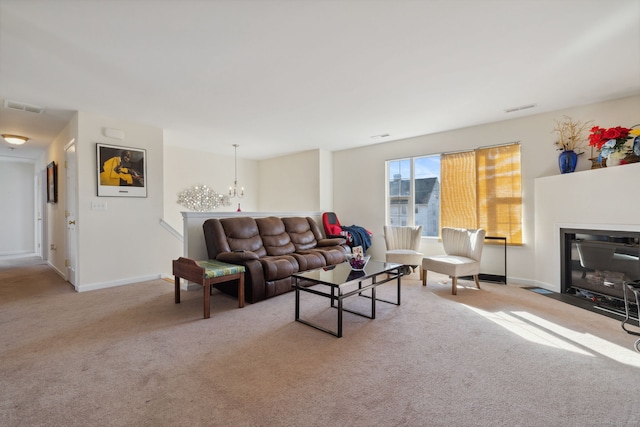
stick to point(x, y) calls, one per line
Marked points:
point(599, 136)
point(612, 133)
point(595, 138)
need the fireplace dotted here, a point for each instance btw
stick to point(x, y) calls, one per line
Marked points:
point(596, 263)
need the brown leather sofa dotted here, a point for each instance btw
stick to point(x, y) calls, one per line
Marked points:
point(271, 249)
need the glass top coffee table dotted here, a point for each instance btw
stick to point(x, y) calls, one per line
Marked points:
point(338, 282)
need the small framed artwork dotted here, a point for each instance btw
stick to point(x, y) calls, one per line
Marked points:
point(357, 251)
point(52, 183)
point(121, 171)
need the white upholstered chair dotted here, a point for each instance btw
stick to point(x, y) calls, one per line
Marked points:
point(463, 248)
point(403, 245)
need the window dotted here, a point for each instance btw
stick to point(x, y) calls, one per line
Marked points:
point(472, 189)
point(414, 193)
point(399, 192)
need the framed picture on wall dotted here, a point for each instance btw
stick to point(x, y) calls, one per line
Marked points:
point(121, 171)
point(52, 183)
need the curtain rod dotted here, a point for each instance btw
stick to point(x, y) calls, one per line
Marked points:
point(455, 152)
point(501, 145)
point(481, 147)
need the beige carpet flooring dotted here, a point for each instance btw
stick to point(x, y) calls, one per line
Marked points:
point(129, 356)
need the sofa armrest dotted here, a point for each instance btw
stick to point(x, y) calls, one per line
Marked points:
point(335, 241)
point(236, 257)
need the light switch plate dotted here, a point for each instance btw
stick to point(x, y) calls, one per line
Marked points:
point(98, 205)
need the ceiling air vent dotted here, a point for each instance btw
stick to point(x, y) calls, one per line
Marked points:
point(21, 106)
point(520, 108)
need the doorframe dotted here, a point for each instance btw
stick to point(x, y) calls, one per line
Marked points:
point(71, 207)
point(40, 216)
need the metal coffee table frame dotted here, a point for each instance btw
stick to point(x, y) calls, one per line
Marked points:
point(342, 281)
point(631, 288)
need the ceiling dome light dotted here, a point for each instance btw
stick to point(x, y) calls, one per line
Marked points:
point(15, 139)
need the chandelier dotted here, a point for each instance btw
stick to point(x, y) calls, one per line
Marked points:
point(233, 191)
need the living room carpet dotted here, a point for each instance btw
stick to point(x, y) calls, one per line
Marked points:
point(129, 356)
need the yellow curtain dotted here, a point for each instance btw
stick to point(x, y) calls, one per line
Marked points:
point(482, 189)
point(500, 192)
point(458, 190)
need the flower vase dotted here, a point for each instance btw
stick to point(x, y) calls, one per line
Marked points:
point(567, 161)
point(615, 158)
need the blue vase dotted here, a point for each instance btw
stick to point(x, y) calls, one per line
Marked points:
point(568, 161)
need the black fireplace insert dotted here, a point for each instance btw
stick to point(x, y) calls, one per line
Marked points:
point(596, 264)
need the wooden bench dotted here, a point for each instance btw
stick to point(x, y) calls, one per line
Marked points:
point(208, 273)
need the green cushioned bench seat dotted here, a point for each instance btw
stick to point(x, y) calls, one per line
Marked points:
point(207, 273)
point(215, 268)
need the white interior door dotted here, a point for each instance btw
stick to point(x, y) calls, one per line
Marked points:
point(71, 211)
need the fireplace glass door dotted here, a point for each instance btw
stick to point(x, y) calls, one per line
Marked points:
point(596, 263)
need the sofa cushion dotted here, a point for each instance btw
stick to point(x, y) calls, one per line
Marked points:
point(333, 256)
point(300, 232)
point(274, 237)
point(278, 267)
point(308, 260)
point(243, 235)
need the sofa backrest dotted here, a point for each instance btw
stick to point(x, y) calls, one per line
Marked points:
point(243, 234)
point(214, 238)
point(232, 234)
point(274, 236)
point(264, 236)
point(300, 232)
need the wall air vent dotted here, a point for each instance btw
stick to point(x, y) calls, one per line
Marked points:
point(21, 106)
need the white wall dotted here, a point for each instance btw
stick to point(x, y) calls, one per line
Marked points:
point(185, 168)
point(326, 181)
point(125, 243)
point(293, 183)
point(539, 158)
point(290, 183)
point(17, 206)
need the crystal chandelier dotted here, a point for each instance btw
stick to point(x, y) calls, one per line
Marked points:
point(233, 191)
point(201, 198)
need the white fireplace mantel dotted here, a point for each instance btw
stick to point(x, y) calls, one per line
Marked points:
point(597, 199)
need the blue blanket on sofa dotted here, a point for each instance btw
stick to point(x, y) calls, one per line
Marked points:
point(360, 236)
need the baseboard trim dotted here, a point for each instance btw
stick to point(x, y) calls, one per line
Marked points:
point(113, 284)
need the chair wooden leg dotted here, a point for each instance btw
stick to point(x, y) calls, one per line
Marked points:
point(477, 281)
point(424, 277)
point(454, 286)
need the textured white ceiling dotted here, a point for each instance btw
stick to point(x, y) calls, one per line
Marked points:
point(278, 77)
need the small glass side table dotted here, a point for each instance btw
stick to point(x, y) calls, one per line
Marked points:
point(631, 289)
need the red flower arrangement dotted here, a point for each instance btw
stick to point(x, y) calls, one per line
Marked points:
point(600, 136)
